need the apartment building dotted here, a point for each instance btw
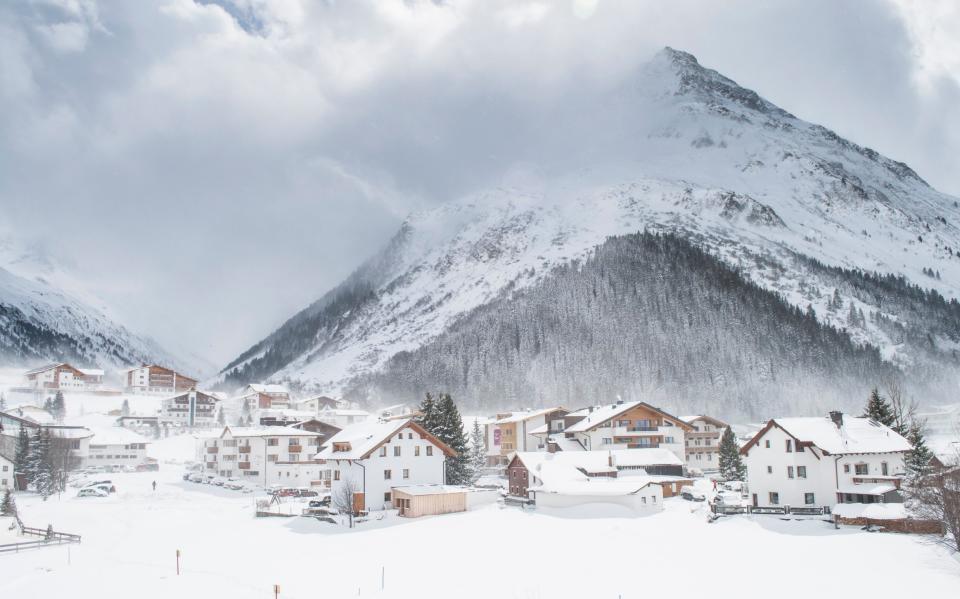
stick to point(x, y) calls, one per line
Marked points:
point(702, 444)
point(190, 409)
point(59, 377)
point(266, 396)
point(510, 432)
point(254, 454)
point(622, 425)
point(151, 378)
point(820, 462)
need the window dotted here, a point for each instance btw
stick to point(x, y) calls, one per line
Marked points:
point(271, 458)
point(808, 499)
point(387, 475)
point(336, 475)
point(386, 497)
point(383, 451)
point(862, 469)
point(669, 440)
point(429, 449)
point(769, 469)
point(294, 457)
point(273, 442)
point(643, 500)
point(767, 443)
point(883, 468)
point(789, 471)
point(406, 473)
point(801, 472)
point(396, 451)
point(654, 498)
point(416, 450)
point(606, 441)
point(774, 498)
point(846, 468)
point(789, 445)
point(409, 435)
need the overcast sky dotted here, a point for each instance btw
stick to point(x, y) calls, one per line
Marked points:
point(208, 168)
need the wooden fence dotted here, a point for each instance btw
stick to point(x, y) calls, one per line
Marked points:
point(48, 538)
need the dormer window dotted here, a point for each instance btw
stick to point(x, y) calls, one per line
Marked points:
point(789, 445)
point(341, 446)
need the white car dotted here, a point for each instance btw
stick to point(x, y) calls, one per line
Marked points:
point(93, 492)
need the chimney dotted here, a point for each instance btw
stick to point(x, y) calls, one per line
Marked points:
point(551, 446)
point(837, 418)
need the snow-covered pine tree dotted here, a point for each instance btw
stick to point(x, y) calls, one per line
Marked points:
point(39, 468)
point(3, 402)
point(59, 407)
point(21, 459)
point(125, 408)
point(478, 452)
point(428, 413)
point(8, 507)
point(447, 426)
point(731, 465)
point(917, 460)
point(878, 409)
point(221, 417)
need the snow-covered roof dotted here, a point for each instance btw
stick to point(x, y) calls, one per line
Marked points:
point(527, 415)
point(35, 414)
point(565, 444)
point(430, 489)
point(541, 463)
point(43, 368)
point(116, 435)
point(91, 371)
point(867, 488)
point(596, 487)
point(857, 434)
point(328, 411)
point(363, 437)
point(877, 511)
point(267, 388)
point(266, 431)
point(598, 415)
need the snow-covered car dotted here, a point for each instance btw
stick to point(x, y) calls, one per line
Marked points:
point(97, 483)
point(232, 484)
point(691, 494)
point(305, 492)
point(109, 488)
point(217, 481)
point(92, 492)
point(194, 477)
point(209, 478)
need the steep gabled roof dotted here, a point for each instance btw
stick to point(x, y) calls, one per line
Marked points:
point(521, 416)
point(691, 419)
point(597, 416)
point(363, 438)
point(857, 434)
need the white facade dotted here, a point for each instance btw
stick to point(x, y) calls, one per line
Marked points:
point(778, 474)
point(341, 418)
point(6, 474)
point(190, 408)
point(649, 499)
point(54, 377)
point(115, 454)
point(254, 454)
point(401, 456)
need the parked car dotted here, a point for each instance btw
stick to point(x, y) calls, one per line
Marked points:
point(305, 492)
point(233, 484)
point(282, 491)
point(317, 503)
point(691, 494)
point(92, 492)
point(195, 477)
point(99, 483)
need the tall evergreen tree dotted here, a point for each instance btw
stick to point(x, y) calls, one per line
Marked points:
point(478, 452)
point(39, 465)
point(878, 409)
point(221, 417)
point(3, 402)
point(917, 460)
point(731, 465)
point(21, 459)
point(125, 408)
point(442, 419)
point(8, 507)
point(59, 407)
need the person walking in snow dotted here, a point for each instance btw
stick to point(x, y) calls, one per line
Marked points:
point(154, 485)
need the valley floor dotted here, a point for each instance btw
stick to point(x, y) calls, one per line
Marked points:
point(130, 539)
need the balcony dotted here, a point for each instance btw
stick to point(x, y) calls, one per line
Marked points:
point(244, 449)
point(211, 465)
point(295, 448)
point(243, 465)
point(640, 431)
point(213, 449)
point(639, 446)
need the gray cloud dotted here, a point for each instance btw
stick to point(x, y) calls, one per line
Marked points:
point(209, 167)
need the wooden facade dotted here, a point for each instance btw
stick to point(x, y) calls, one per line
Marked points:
point(415, 505)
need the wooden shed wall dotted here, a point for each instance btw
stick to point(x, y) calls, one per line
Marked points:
point(431, 505)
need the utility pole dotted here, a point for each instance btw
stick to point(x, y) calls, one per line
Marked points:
point(178, 562)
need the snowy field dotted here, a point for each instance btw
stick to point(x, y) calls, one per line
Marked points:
point(130, 540)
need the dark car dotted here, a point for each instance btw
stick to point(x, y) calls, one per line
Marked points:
point(325, 502)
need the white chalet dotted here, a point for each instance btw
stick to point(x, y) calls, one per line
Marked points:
point(372, 457)
point(820, 462)
point(116, 447)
